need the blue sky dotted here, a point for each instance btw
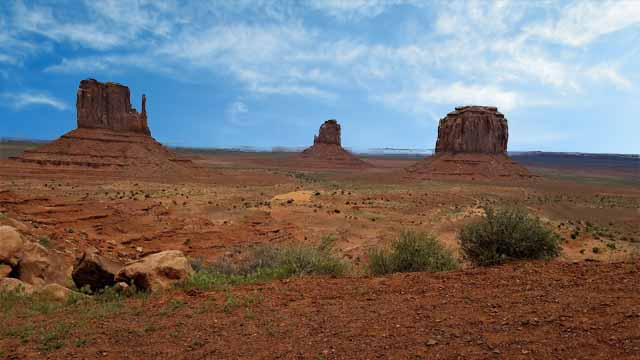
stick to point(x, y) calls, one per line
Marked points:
point(268, 73)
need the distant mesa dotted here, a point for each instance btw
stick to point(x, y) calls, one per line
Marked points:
point(472, 143)
point(107, 106)
point(111, 136)
point(327, 150)
point(329, 133)
point(473, 129)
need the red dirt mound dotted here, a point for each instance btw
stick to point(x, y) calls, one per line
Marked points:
point(468, 165)
point(111, 135)
point(472, 143)
point(327, 150)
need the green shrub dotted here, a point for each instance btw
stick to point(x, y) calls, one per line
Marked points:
point(412, 252)
point(506, 234)
point(308, 260)
point(268, 263)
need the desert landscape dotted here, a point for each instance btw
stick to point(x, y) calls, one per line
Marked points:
point(114, 246)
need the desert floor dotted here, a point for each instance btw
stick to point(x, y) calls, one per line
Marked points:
point(585, 304)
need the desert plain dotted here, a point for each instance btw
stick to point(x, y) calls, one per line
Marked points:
point(585, 303)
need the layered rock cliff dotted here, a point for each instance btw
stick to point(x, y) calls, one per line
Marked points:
point(108, 106)
point(473, 129)
point(327, 150)
point(472, 144)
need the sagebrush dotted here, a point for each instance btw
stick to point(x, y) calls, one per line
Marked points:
point(412, 252)
point(506, 234)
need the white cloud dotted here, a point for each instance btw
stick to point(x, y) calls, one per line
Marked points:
point(584, 21)
point(354, 9)
point(610, 74)
point(22, 100)
point(463, 94)
point(492, 52)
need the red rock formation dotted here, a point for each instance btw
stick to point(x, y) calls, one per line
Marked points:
point(473, 129)
point(472, 143)
point(327, 151)
point(108, 106)
point(329, 133)
point(111, 136)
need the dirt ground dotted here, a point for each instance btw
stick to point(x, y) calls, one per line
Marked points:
point(583, 305)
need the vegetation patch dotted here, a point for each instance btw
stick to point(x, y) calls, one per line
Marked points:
point(268, 263)
point(412, 252)
point(507, 234)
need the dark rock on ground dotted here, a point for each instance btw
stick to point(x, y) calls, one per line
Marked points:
point(94, 271)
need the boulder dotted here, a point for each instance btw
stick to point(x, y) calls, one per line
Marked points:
point(94, 271)
point(473, 129)
point(157, 271)
point(57, 292)
point(11, 245)
point(5, 270)
point(108, 106)
point(40, 266)
point(11, 284)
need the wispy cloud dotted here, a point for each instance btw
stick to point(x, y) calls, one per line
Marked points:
point(460, 93)
point(582, 22)
point(491, 52)
point(23, 100)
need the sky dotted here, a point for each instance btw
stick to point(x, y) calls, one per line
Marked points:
point(218, 73)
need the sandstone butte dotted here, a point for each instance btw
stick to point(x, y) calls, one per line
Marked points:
point(472, 143)
point(111, 136)
point(327, 150)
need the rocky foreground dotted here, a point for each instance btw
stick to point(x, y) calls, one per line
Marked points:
point(536, 310)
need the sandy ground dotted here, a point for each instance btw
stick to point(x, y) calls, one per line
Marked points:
point(566, 309)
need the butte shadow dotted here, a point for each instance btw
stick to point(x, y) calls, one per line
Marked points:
point(472, 144)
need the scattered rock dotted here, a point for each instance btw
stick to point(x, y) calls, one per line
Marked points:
point(94, 271)
point(11, 245)
point(11, 284)
point(157, 271)
point(5, 270)
point(57, 292)
point(40, 266)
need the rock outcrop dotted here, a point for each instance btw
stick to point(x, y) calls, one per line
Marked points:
point(94, 271)
point(29, 267)
point(11, 245)
point(111, 138)
point(108, 106)
point(40, 266)
point(329, 133)
point(473, 129)
point(15, 285)
point(157, 271)
point(327, 150)
point(472, 144)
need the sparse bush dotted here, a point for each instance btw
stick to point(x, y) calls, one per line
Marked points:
point(506, 234)
point(268, 263)
point(308, 260)
point(412, 252)
point(45, 241)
